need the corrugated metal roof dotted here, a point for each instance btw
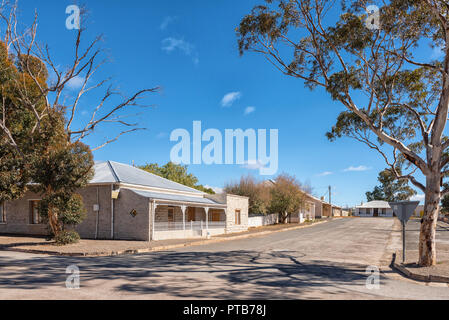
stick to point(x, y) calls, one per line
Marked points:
point(115, 172)
point(175, 197)
point(375, 204)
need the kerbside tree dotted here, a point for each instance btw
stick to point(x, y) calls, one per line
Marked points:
point(395, 92)
point(41, 127)
point(286, 197)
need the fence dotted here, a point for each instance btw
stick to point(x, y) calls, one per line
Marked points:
point(261, 220)
point(190, 225)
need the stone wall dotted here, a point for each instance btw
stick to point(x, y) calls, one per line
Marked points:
point(18, 217)
point(127, 226)
point(90, 194)
point(236, 203)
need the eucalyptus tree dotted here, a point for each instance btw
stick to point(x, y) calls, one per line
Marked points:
point(395, 93)
point(390, 188)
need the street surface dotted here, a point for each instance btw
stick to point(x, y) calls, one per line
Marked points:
point(326, 261)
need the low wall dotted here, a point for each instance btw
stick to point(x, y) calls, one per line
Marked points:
point(187, 234)
point(260, 220)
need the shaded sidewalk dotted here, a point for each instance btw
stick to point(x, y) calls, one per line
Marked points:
point(437, 273)
point(86, 248)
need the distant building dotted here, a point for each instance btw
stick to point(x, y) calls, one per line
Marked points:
point(375, 208)
point(419, 211)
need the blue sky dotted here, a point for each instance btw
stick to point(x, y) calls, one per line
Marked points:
point(189, 49)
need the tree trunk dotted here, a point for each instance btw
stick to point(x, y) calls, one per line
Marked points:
point(427, 245)
point(283, 217)
point(53, 221)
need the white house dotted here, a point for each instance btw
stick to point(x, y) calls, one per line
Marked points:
point(375, 208)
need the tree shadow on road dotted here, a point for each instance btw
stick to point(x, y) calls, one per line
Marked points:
point(207, 275)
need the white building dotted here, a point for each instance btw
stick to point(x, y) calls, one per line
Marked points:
point(375, 208)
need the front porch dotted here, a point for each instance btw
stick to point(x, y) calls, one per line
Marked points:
point(182, 221)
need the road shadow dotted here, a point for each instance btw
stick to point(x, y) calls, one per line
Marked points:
point(206, 275)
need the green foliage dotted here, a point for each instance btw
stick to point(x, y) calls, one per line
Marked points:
point(20, 125)
point(177, 173)
point(390, 189)
point(445, 205)
point(69, 208)
point(64, 169)
point(67, 237)
point(372, 72)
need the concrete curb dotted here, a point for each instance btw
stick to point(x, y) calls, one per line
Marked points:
point(160, 248)
point(414, 276)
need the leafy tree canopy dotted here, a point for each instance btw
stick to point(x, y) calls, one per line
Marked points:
point(177, 173)
point(287, 196)
point(390, 188)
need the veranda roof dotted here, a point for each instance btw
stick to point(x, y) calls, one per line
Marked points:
point(178, 198)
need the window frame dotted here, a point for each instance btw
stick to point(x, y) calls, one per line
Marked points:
point(32, 204)
point(237, 217)
point(171, 211)
point(2, 212)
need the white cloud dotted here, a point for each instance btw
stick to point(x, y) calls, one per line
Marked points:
point(437, 52)
point(325, 173)
point(253, 165)
point(75, 83)
point(418, 197)
point(161, 135)
point(249, 110)
point(216, 189)
point(359, 168)
point(167, 20)
point(171, 44)
point(230, 98)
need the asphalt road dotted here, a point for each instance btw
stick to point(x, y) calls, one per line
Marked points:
point(326, 261)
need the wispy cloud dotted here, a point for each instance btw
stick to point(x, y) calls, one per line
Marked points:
point(325, 173)
point(75, 83)
point(167, 20)
point(437, 52)
point(216, 189)
point(171, 44)
point(253, 165)
point(161, 135)
point(230, 98)
point(359, 168)
point(249, 110)
point(418, 197)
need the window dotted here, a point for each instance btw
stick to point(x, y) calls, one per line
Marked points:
point(214, 215)
point(237, 217)
point(34, 212)
point(2, 212)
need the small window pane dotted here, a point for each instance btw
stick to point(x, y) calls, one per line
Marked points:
point(2, 212)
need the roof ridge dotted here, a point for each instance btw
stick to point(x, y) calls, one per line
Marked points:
point(114, 173)
point(158, 176)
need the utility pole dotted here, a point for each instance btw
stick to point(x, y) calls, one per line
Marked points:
point(330, 196)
